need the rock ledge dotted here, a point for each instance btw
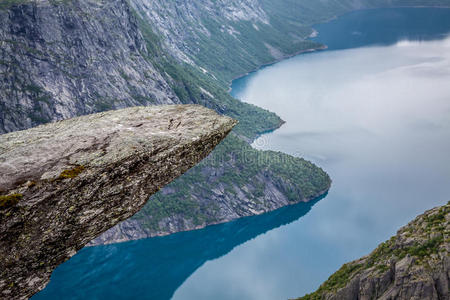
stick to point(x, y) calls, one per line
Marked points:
point(62, 184)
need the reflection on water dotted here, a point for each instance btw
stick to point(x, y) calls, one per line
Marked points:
point(377, 119)
point(155, 268)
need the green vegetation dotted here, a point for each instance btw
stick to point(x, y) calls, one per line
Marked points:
point(427, 232)
point(426, 249)
point(250, 52)
point(240, 167)
point(436, 219)
point(71, 173)
point(103, 104)
point(7, 201)
point(336, 281)
point(188, 82)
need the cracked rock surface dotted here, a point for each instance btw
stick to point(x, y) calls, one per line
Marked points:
point(62, 184)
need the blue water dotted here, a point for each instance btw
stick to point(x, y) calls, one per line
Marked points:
point(373, 110)
point(376, 27)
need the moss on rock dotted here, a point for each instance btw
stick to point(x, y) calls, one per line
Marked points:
point(9, 200)
point(71, 173)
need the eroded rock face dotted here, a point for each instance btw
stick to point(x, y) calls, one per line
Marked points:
point(189, 24)
point(64, 183)
point(413, 265)
point(61, 59)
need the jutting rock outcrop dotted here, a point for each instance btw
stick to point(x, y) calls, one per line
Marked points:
point(413, 265)
point(64, 183)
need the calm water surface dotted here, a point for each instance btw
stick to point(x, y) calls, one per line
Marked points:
point(373, 111)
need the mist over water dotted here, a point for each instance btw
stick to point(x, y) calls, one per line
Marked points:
point(376, 118)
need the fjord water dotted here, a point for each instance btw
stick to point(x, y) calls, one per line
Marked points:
point(373, 111)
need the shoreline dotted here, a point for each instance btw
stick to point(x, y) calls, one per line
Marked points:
point(284, 57)
point(323, 47)
point(322, 194)
point(251, 140)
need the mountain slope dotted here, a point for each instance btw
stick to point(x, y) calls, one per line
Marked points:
point(61, 59)
point(224, 45)
point(414, 264)
point(233, 182)
point(226, 38)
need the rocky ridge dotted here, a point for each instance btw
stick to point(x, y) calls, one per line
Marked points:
point(64, 183)
point(413, 265)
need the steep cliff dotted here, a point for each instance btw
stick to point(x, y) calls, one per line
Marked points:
point(231, 183)
point(69, 58)
point(414, 264)
point(228, 38)
point(61, 59)
point(225, 38)
point(64, 183)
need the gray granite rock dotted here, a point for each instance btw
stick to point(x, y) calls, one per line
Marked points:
point(61, 59)
point(64, 183)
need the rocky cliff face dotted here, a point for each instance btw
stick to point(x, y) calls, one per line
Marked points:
point(191, 22)
point(414, 264)
point(63, 59)
point(226, 38)
point(231, 183)
point(64, 183)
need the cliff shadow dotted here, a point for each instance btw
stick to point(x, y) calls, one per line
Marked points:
point(155, 268)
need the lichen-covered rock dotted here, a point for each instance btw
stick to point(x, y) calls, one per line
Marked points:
point(64, 183)
point(413, 265)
